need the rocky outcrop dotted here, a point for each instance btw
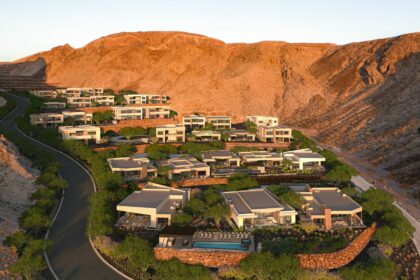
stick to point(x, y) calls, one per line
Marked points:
point(360, 96)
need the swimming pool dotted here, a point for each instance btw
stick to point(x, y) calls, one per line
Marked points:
point(220, 245)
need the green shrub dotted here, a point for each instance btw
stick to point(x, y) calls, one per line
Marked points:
point(137, 251)
point(176, 270)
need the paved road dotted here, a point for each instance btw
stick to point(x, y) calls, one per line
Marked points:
point(71, 256)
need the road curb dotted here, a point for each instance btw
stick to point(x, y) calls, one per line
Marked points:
point(95, 190)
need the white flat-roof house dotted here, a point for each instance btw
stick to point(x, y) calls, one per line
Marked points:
point(75, 92)
point(54, 105)
point(194, 122)
point(81, 132)
point(46, 119)
point(221, 157)
point(157, 202)
point(127, 113)
point(156, 112)
point(263, 120)
point(329, 207)
point(186, 167)
point(241, 136)
point(258, 208)
point(44, 93)
point(274, 134)
point(304, 159)
point(132, 168)
point(260, 158)
point(145, 99)
point(78, 116)
point(79, 102)
point(170, 133)
point(220, 122)
point(103, 100)
point(206, 135)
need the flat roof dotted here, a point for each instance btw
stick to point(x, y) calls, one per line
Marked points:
point(335, 200)
point(248, 201)
point(219, 153)
point(125, 163)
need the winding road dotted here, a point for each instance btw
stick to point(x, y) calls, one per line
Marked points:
point(71, 256)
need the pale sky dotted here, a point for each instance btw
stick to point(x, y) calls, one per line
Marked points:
point(30, 26)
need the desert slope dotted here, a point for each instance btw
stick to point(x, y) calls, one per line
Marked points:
point(362, 96)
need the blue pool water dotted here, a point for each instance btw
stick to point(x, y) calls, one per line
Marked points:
point(219, 245)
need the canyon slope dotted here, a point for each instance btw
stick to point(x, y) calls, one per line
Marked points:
point(363, 97)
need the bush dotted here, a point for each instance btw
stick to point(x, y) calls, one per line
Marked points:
point(195, 207)
point(137, 251)
point(266, 266)
point(241, 181)
point(101, 213)
point(159, 152)
point(196, 149)
point(100, 117)
point(287, 195)
point(129, 132)
point(376, 269)
point(176, 270)
point(181, 219)
point(31, 261)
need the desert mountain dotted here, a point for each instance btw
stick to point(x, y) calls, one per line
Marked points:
point(364, 97)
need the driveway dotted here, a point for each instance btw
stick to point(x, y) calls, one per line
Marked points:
point(71, 256)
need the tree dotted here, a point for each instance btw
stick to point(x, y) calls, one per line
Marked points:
point(172, 113)
point(137, 251)
point(32, 259)
point(376, 200)
point(212, 197)
point(18, 240)
point(34, 219)
point(241, 181)
point(265, 266)
point(159, 152)
point(250, 127)
point(182, 219)
point(100, 117)
point(195, 207)
point(376, 269)
point(129, 132)
point(217, 212)
point(176, 270)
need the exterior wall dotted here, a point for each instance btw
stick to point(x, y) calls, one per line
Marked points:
point(230, 145)
point(339, 258)
point(200, 182)
point(274, 134)
point(167, 134)
point(209, 258)
point(263, 120)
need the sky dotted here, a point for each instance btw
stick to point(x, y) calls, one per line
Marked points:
point(30, 26)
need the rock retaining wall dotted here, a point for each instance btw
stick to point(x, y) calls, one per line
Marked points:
point(230, 145)
point(207, 258)
point(200, 182)
point(339, 258)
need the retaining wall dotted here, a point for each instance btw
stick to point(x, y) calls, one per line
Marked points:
point(230, 145)
point(207, 258)
point(339, 258)
point(200, 182)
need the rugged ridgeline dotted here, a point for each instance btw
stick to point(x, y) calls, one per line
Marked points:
point(363, 96)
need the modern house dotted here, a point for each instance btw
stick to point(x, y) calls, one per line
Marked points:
point(131, 99)
point(304, 159)
point(274, 134)
point(44, 93)
point(46, 119)
point(241, 136)
point(329, 207)
point(81, 132)
point(157, 203)
point(79, 102)
point(170, 133)
point(53, 105)
point(206, 135)
point(260, 158)
point(258, 208)
point(220, 122)
point(103, 100)
point(186, 167)
point(263, 120)
point(78, 116)
point(77, 92)
point(221, 157)
point(156, 111)
point(194, 122)
point(127, 113)
point(133, 168)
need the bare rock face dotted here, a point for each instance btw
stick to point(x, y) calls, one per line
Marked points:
point(17, 183)
point(361, 96)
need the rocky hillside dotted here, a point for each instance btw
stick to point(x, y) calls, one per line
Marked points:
point(362, 96)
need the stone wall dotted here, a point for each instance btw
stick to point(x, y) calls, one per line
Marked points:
point(146, 123)
point(270, 146)
point(207, 258)
point(200, 182)
point(339, 258)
